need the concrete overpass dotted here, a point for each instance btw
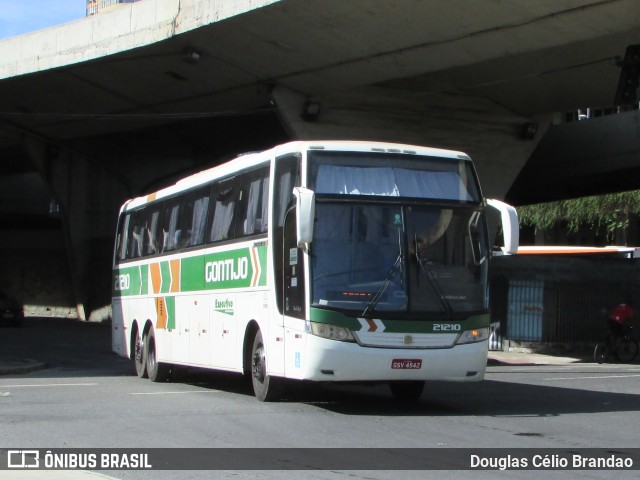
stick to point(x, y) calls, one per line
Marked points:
point(114, 105)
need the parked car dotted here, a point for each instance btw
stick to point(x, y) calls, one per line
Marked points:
point(10, 310)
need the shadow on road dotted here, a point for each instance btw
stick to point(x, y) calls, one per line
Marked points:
point(73, 348)
point(67, 347)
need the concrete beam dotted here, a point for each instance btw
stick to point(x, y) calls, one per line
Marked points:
point(130, 26)
point(89, 197)
point(594, 156)
point(492, 136)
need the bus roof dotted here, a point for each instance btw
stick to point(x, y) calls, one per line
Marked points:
point(246, 161)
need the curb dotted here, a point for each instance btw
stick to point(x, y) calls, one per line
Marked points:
point(496, 362)
point(17, 367)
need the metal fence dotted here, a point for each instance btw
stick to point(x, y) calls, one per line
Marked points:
point(558, 299)
point(96, 6)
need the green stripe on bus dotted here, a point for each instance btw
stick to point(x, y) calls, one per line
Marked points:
point(126, 281)
point(165, 274)
point(192, 274)
point(332, 317)
point(220, 270)
point(262, 254)
point(425, 325)
point(232, 269)
point(241, 268)
point(171, 312)
point(412, 326)
point(144, 279)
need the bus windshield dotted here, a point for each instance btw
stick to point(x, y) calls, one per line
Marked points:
point(393, 175)
point(375, 259)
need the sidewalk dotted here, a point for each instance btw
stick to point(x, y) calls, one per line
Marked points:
point(520, 358)
point(15, 366)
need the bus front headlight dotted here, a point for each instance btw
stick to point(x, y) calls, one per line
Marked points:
point(473, 336)
point(331, 332)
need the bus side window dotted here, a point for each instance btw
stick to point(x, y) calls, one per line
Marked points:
point(182, 234)
point(136, 234)
point(224, 205)
point(193, 217)
point(253, 218)
point(169, 227)
point(123, 238)
point(151, 238)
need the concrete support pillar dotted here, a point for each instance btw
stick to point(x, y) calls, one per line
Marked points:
point(88, 197)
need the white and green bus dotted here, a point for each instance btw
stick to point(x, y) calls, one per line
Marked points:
point(326, 261)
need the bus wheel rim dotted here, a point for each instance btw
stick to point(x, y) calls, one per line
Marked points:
point(259, 365)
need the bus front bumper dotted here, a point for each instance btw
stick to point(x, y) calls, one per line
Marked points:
point(334, 361)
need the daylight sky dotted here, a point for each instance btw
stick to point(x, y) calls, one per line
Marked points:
point(23, 16)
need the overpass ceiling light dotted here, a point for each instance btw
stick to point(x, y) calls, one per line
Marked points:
point(529, 130)
point(310, 111)
point(191, 56)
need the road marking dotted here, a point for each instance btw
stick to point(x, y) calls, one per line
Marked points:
point(35, 385)
point(591, 378)
point(5, 394)
point(173, 393)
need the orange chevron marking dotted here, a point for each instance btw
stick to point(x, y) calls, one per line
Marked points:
point(372, 325)
point(156, 277)
point(256, 266)
point(174, 265)
point(161, 310)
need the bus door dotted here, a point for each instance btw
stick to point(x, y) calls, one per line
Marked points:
point(289, 273)
point(293, 297)
point(293, 271)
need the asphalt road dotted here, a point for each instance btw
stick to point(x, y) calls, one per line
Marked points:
point(90, 398)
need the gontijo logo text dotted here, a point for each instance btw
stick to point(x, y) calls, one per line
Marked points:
point(225, 270)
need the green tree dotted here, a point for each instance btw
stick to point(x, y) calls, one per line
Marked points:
point(608, 213)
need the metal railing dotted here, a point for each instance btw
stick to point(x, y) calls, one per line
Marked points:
point(96, 6)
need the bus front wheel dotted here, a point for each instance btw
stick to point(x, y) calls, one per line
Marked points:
point(265, 387)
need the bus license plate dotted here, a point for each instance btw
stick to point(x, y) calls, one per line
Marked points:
point(406, 364)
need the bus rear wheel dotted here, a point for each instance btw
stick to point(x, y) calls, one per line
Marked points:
point(265, 387)
point(409, 390)
point(157, 372)
point(138, 355)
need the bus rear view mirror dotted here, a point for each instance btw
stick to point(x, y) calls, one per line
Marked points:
point(306, 209)
point(510, 226)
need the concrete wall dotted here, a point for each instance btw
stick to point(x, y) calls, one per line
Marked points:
point(36, 273)
point(90, 180)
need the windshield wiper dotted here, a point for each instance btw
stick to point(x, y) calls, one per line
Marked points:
point(432, 279)
point(397, 266)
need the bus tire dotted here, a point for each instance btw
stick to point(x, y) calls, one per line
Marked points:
point(407, 390)
point(138, 354)
point(265, 387)
point(157, 371)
